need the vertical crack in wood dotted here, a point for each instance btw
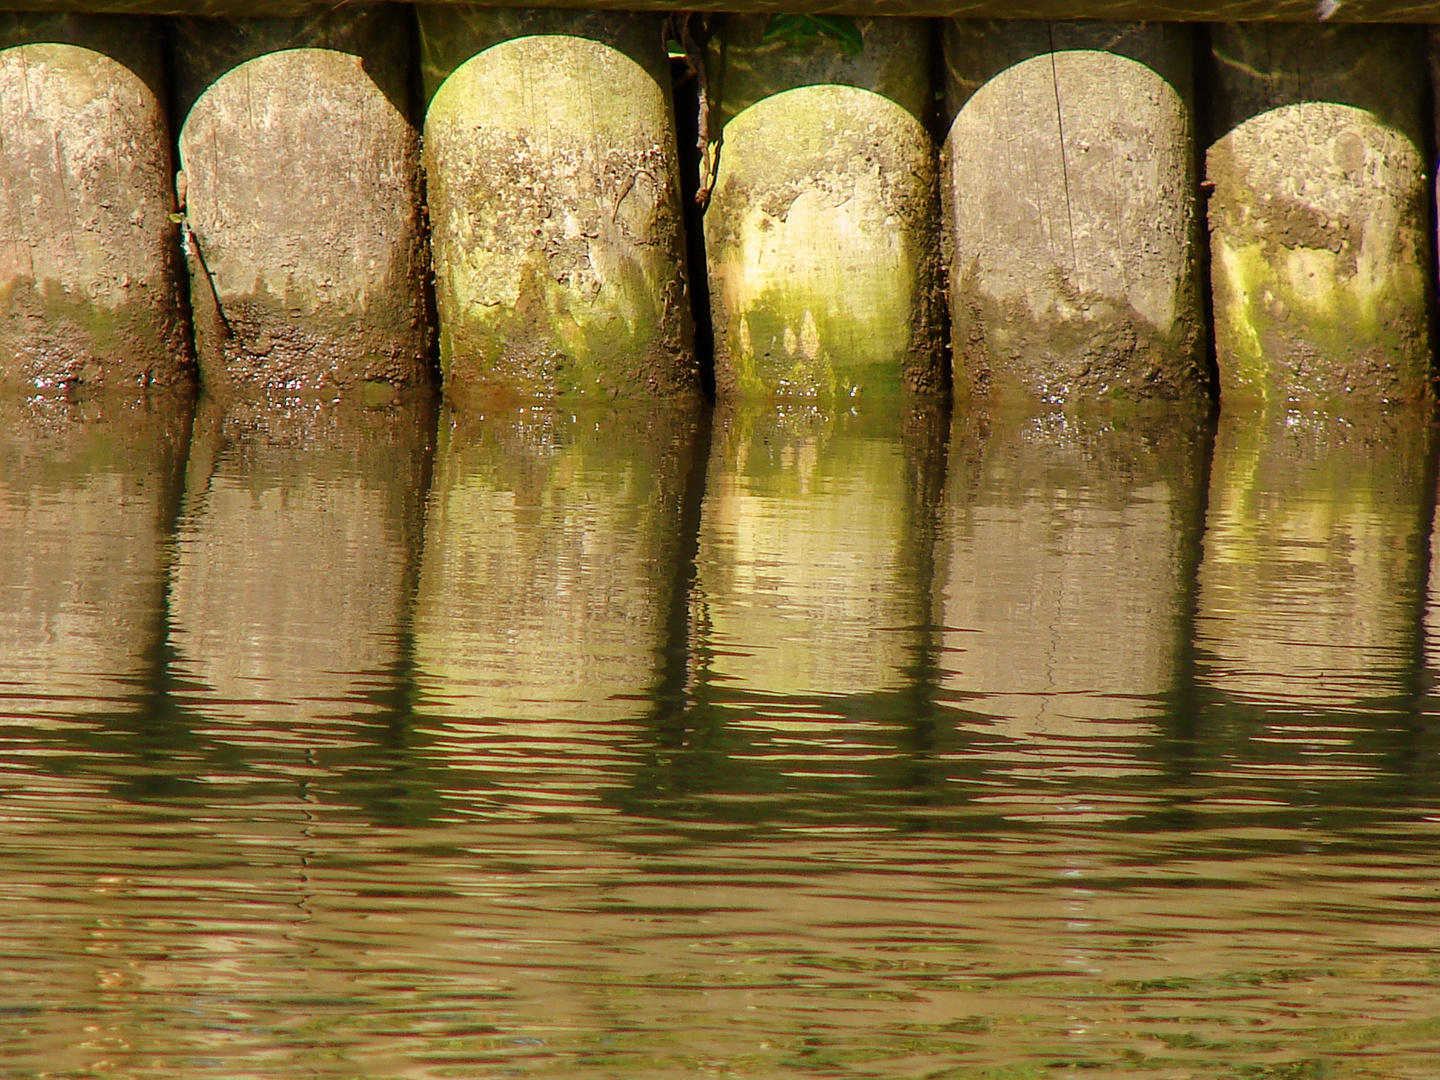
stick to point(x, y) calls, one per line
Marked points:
point(1064, 165)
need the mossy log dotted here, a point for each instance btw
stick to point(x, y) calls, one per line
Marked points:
point(822, 233)
point(296, 556)
point(554, 192)
point(1071, 200)
point(300, 176)
point(1314, 556)
point(1319, 225)
point(89, 283)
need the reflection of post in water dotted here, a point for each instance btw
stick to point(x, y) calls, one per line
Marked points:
point(88, 495)
point(811, 621)
point(1423, 754)
point(296, 558)
point(1069, 543)
point(810, 581)
point(551, 543)
point(1312, 579)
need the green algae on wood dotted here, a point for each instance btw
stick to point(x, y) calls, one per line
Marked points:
point(554, 192)
point(822, 230)
point(300, 172)
point(89, 282)
point(1071, 201)
point(1320, 247)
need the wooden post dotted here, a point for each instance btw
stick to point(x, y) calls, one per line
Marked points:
point(296, 556)
point(1320, 253)
point(554, 196)
point(1069, 179)
point(822, 233)
point(300, 175)
point(89, 282)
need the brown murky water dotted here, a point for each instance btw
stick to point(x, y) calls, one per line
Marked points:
point(346, 742)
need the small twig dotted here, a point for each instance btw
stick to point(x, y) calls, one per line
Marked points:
point(695, 65)
point(190, 245)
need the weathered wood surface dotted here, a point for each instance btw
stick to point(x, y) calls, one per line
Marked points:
point(554, 189)
point(1402, 11)
point(1069, 181)
point(88, 283)
point(1319, 226)
point(301, 169)
point(821, 233)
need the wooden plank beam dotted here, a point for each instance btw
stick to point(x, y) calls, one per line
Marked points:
point(1392, 11)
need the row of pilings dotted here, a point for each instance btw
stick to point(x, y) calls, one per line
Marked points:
point(1052, 181)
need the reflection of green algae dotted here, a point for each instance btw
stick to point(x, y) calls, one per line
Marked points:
point(1314, 552)
point(814, 554)
point(1275, 478)
point(552, 541)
